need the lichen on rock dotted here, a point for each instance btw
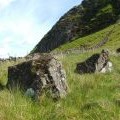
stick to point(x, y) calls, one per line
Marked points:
point(95, 63)
point(40, 72)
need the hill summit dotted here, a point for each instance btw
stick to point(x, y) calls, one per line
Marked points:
point(88, 17)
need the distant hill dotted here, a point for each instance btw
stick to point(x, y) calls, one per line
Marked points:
point(88, 17)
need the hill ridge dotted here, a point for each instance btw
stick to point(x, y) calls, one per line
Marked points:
point(88, 17)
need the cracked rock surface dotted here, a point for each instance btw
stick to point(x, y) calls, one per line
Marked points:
point(42, 72)
point(98, 62)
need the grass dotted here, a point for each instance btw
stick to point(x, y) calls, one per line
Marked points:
point(95, 38)
point(4, 70)
point(91, 96)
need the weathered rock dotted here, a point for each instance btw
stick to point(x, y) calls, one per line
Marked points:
point(96, 63)
point(42, 72)
point(102, 61)
point(107, 68)
point(88, 66)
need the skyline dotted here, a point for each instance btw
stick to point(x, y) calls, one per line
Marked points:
point(23, 24)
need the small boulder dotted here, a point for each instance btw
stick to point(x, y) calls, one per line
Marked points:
point(95, 63)
point(87, 66)
point(39, 73)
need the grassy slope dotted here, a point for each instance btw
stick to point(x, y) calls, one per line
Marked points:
point(91, 96)
point(95, 38)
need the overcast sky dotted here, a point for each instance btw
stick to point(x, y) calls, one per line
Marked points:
point(24, 22)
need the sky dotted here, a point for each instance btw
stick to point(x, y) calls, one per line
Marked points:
point(23, 23)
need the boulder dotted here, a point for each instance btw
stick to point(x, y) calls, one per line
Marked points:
point(87, 66)
point(95, 63)
point(41, 72)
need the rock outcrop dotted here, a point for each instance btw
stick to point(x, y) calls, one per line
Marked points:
point(96, 63)
point(88, 17)
point(41, 72)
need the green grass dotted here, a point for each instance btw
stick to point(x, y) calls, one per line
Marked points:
point(95, 38)
point(4, 70)
point(91, 96)
point(107, 9)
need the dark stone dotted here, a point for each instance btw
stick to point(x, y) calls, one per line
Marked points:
point(95, 63)
point(41, 72)
point(88, 66)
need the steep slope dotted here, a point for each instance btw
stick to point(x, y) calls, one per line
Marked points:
point(84, 19)
point(106, 38)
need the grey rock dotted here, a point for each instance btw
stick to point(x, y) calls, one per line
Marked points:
point(102, 60)
point(95, 63)
point(39, 73)
point(87, 66)
point(107, 68)
point(30, 93)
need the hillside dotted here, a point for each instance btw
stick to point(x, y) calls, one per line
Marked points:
point(112, 43)
point(88, 17)
point(91, 96)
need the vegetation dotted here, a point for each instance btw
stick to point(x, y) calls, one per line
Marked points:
point(85, 19)
point(91, 97)
point(93, 39)
point(4, 70)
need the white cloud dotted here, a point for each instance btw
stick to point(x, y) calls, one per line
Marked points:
point(20, 36)
point(5, 3)
point(25, 22)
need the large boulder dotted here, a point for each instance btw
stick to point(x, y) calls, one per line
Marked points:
point(95, 63)
point(41, 72)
